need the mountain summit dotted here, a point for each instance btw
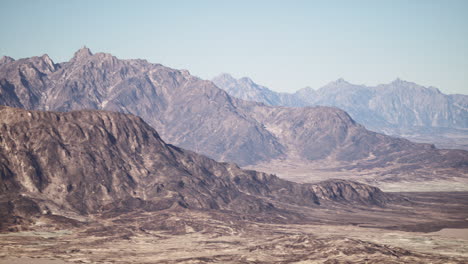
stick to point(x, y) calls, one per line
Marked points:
point(84, 52)
point(245, 88)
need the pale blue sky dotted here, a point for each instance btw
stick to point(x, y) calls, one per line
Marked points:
point(285, 45)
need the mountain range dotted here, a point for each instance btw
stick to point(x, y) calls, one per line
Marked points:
point(196, 115)
point(88, 162)
point(400, 108)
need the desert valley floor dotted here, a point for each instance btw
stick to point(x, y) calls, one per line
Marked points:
point(432, 231)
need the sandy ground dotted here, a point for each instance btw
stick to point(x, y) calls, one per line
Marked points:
point(400, 233)
point(190, 236)
point(461, 233)
point(31, 261)
point(315, 171)
point(259, 243)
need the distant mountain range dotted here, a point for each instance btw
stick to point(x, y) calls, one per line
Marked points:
point(399, 108)
point(195, 114)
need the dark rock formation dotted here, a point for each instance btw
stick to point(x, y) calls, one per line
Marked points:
point(86, 162)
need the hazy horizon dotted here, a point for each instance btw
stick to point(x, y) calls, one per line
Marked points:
point(283, 46)
point(331, 81)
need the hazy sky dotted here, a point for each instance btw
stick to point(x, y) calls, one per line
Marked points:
point(285, 45)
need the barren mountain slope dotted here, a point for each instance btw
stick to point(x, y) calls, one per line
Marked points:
point(329, 139)
point(197, 115)
point(85, 162)
point(187, 111)
point(400, 108)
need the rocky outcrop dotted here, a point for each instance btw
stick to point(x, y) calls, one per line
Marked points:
point(351, 192)
point(86, 162)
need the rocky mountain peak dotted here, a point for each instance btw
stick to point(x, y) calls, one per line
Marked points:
point(306, 89)
point(401, 82)
point(340, 80)
point(6, 59)
point(225, 77)
point(82, 53)
point(335, 86)
point(49, 62)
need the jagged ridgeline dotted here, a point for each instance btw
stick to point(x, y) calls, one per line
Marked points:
point(195, 114)
point(399, 108)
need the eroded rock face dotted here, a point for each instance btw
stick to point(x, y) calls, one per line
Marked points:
point(197, 115)
point(85, 162)
point(351, 192)
point(187, 111)
point(88, 159)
